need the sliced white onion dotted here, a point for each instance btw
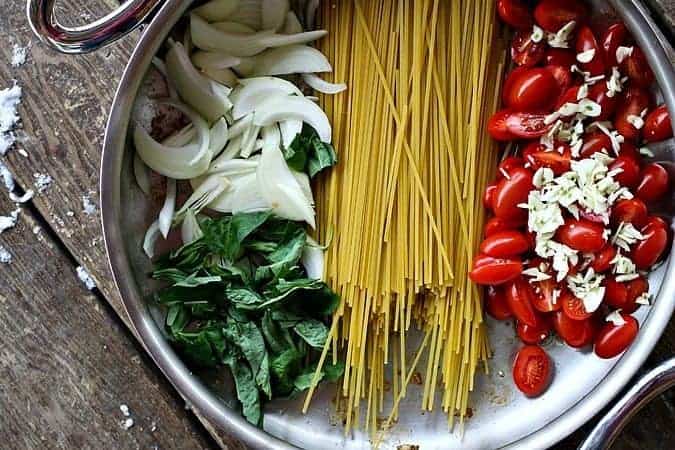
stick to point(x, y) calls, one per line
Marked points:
point(205, 193)
point(284, 61)
point(271, 135)
point(151, 236)
point(181, 137)
point(313, 259)
point(249, 13)
point(235, 166)
point(223, 76)
point(233, 27)
point(217, 9)
point(278, 108)
point(218, 136)
point(166, 213)
point(274, 13)
point(239, 127)
point(142, 174)
point(190, 230)
point(254, 91)
point(303, 181)
point(321, 85)
point(232, 150)
point(249, 140)
point(289, 130)
point(292, 25)
point(161, 68)
point(214, 60)
point(203, 133)
point(243, 196)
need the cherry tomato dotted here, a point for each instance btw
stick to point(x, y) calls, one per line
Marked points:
point(504, 244)
point(532, 90)
point(594, 142)
point(575, 333)
point(495, 303)
point(636, 288)
point(629, 149)
point(542, 296)
point(497, 126)
point(563, 77)
point(634, 102)
point(582, 235)
point(497, 224)
point(511, 192)
point(614, 339)
point(602, 260)
point(658, 125)
point(636, 67)
point(568, 96)
point(558, 159)
point(510, 79)
point(532, 370)
point(508, 165)
point(559, 57)
point(524, 51)
point(530, 149)
point(534, 335)
point(526, 125)
point(586, 42)
point(515, 13)
point(608, 105)
point(654, 183)
point(519, 301)
point(552, 15)
point(646, 252)
point(615, 35)
point(494, 271)
point(573, 307)
point(630, 211)
point(630, 171)
point(489, 195)
point(622, 295)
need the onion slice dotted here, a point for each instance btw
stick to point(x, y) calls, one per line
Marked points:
point(166, 213)
point(223, 76)
point(292, 25)
point(285, 60)
point(278, 108)
point(274, 13)
point(214, 60)
point(313, 259)
point(190, 230)
point(151, 236)
point(217, 9)
point(321, 85)
point(254, 91)
point(233, 27)
point(205, 193)
point(142, 174)
point(244, 196)
point(289, 130)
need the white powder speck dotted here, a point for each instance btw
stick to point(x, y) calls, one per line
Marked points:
point(88, 207)
point(9, 100)
point(70, 213)
point(42, 181)
point(22, 198)
point(7, 222)
point(7, 178)
point(5, 256)
point(85, 278)
point(36, 229)
point(128, 423)
point(125, 410)
point(22, 152)
point(153, 426)
point(19, 55)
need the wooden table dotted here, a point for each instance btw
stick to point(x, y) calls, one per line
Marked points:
point(68, 359)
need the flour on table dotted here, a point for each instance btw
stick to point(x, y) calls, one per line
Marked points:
point(19, 55)
point(7, 222)
point(88, 207)
point(42, 181)
point(128, 423)
point(125, 410)
point(87, 280)
point(5, 256)
point(9, 100)
point(22, 198)
point(6, 176)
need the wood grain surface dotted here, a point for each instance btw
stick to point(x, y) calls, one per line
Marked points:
point(67, 359)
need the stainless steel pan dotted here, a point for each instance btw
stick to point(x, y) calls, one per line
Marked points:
point(583, 384)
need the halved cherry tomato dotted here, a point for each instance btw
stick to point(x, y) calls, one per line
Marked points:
point(622, 295)
point(634, 102)
point(511, 192)
point(573, 307)
point(532, 370)
point(515, 13)
point(582, 235)
point(534, 335)
point(489, 196)
point(658, 125)
point(615, 36)
point(608, 105)
point(602, 260)
point(630, 171)
point(630, 211)
point(646, 252)
point(519, 301)
point(505, 244)
point(627, 148)
point(526, 125)
point(510, 79)
point(495, 303)
point(542, 296)
point(636, 288)
point(532, 90)
point(563, 77)
point(552, 15)
point(497, 224)
point(654, 182)
point(614, 339)
point(575, 333)
point(497, 126)
point(636, 67)
point(526, 52)
point(594, 142)
point(530, 149)
point(568, 96)
point(494, 271)
point(559, 57)
point(557, 159)
point(508, 165)
point(586, 42)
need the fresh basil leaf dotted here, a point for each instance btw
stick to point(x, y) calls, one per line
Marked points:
point(285, 319)
point(244, 298)
point(247, 392)
point(273, 336)
point(284, 367)
point(193, 280)
point(313, 332)
point(213, 292)
point(285, 257)
point(296, 154)
point(203, 347)
point(304, 294)
point(329, 372)
point(308, 153)
point(333, 372)
point(250, 341)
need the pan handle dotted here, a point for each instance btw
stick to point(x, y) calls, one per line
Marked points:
point(89, 37)
point(649, 386)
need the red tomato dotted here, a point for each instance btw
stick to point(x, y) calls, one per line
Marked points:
point(629, 149)
point(575, 333)
point(489, 195)
point(542, 296)
point(495, 303)
point(532, 370)
point(510, 79)
point(630, 211)
point(630, 175)
point(559, 57)
point(636, 67)
point(552, 15)
point(568, 96)
point(519, 301)
point(636, 288)
point(658, 125)
point(582, 235)
point(534, 335)
point(634, 102)
point(615, 36)
point(526, 125)
point(645, 253)
point(497, 224)
point(532, 90)
point(573, 307)
point(524, 51)
point(497, 126)
point(614, 339)
point(595, 142)
point(504, 244)
point(563, 78)
point(654, 183)
point(494, 271)
point(608, 105)
point(586, 42)
point(558, 162)
point(616, 293)
point(511, 192)
point(508, 165)
point(530, 149)
point(602, 260)
point(515, 13)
